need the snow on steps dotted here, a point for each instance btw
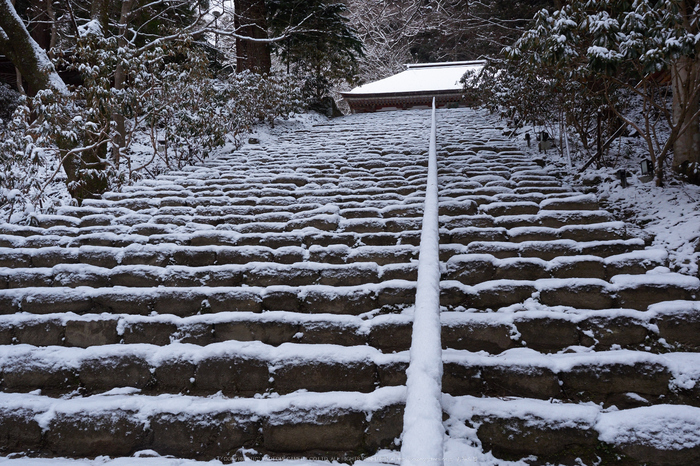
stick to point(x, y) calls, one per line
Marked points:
point(246, 305)
point(567, 433)
point(121, 422)
point(553, 312)
point(232, 368)
point(293, 262)
point(623, 378)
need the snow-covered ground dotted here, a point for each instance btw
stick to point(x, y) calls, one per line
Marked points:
point(671, 214)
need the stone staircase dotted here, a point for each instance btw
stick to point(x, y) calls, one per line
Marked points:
point(261, 304)
point(566, 340)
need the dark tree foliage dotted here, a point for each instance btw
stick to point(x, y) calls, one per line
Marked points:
point(9, 99)
point(322, 48)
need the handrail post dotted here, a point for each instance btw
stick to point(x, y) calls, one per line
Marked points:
point(424, 434)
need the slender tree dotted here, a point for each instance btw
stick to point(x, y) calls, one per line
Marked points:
point(685, 79)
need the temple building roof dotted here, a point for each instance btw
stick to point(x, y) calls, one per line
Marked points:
point(414, 87)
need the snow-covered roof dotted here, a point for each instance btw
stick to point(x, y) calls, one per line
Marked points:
point(423, 77)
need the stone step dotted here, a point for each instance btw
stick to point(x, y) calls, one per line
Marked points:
point(163, 255)
point(254, 274)
point(232, 368)
point(594, 232)
point(342, 186)
point(555, 218)
point(472, 269)
point(387, 333)
point(567, 433)
point(663, 327)
point(384, 297)
point(327, 425)
point(621, 378)
point(623, 291)
point(279, 222)
point(548, 250)
point(210, 237)
point(357, 191)
point(552, 219)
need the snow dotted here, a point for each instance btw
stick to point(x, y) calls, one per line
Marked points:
point(91, 28)
point(16, 356)
point(665, 427)
point(423, 434)
point(671, 214)
point(683, 366)
point(143, 407)
point(421, 78)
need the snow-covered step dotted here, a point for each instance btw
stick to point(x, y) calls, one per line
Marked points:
point(219, 236)
point(625, 291)
point(167, 255)
point(548, 250)
point(186, 301)
point(621, 378)
point(257, 274)
point(555, 218)
point(665, 326)
point(585, 233)
point(566, 433)
point(388, 332)
point(250, 274)
point(121, 422)
point(556, 329)
point(472, 269)
point(232, 368)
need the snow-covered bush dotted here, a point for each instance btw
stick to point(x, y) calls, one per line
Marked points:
point(189, 112)
point(546, 98)
point(20, 164)
point(169, 93)
point(169, 99)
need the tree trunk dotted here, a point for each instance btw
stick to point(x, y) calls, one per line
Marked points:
point(54, 30)
point(119, 78)
point(20, 86)
point(685, 81)
point(31, 60)
point(250, 21)
point(686, 109)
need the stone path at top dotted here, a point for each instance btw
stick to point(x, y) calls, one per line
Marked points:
point(263, 302)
